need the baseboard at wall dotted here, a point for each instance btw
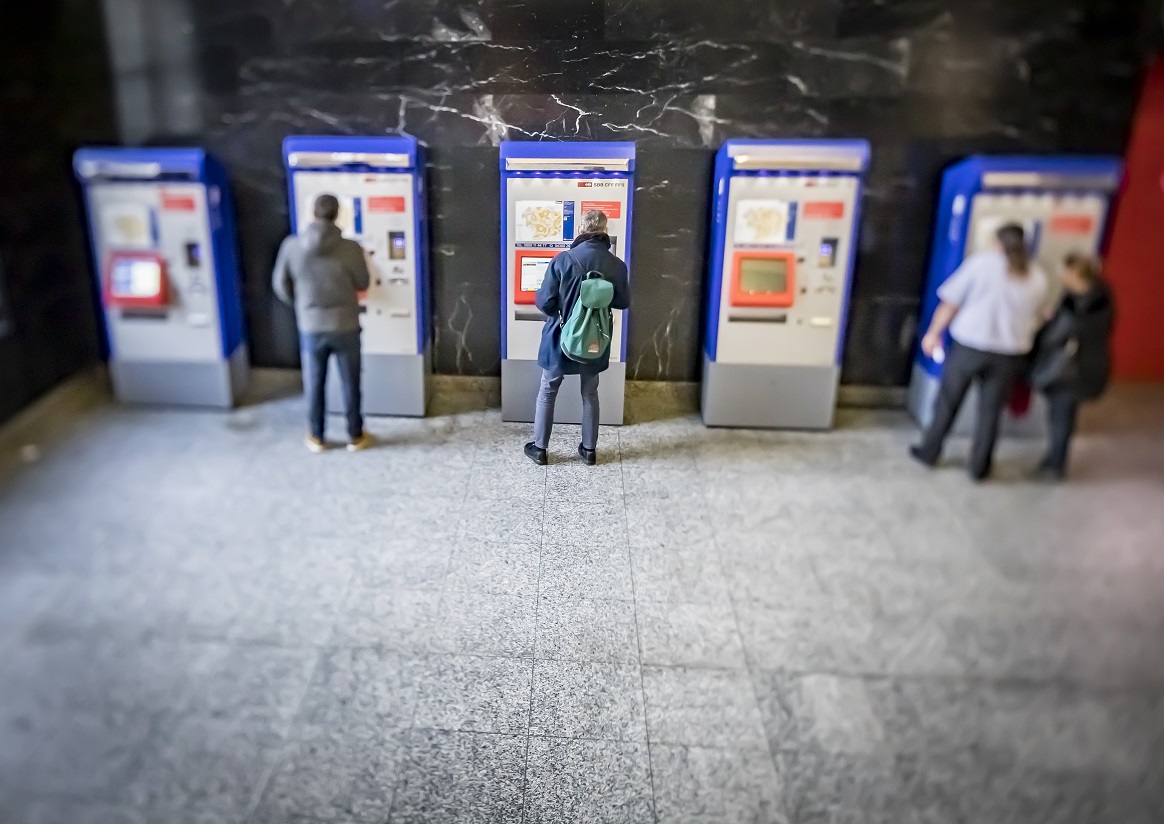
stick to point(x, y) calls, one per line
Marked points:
point(871, 397)
point(52, 414)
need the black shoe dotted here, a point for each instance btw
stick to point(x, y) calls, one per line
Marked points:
point(979, 475)
point(590, 456)
point(535, 454)
point(916, 453)
point(1046, 471)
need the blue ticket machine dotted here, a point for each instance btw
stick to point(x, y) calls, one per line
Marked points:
point(784, 231)
point(163, 241)
point(1062, 203)
point(545, 187)
point(379, 182)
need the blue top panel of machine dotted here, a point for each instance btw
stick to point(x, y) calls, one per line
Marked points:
point(120, 163)
point(797, 154)
point(341, 151)
point(1080, 172)
point(572, 150)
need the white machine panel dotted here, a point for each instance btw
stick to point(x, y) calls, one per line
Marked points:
point(376, 210)
point(1055, 224)
point(172, 221)
point(791, 232)
point(542, 214)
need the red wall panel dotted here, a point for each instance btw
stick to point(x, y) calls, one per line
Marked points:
point(1135, 259)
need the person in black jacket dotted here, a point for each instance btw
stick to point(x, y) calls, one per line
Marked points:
point(1073, 357)
point(590, 252)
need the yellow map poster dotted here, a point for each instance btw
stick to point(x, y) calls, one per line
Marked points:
point(763, 222)
point(539, 220)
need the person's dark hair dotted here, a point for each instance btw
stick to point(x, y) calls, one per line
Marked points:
point(1013, 240)
point(1087, 266)
point(326, 208)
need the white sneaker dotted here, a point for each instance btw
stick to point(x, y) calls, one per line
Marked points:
point(361, 443)
point(313, 444)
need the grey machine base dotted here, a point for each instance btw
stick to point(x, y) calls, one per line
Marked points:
point(390, 385)
point(923, 390)
point(214, 384)
point(769, 397)
point(519, 391)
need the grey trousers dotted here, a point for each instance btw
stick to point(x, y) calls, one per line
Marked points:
point(544, 411)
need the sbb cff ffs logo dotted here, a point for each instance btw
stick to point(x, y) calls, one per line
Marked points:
point(601, 184)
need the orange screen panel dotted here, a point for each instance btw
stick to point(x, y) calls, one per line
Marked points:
point(763, 279)
point(136, 279)
point(529, 269)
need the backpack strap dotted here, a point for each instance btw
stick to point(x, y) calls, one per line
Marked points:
point(576, 291)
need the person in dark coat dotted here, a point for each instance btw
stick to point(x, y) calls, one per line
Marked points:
point(590, 252)
point(1074, 352)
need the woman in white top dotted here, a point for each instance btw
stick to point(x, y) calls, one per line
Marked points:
point(993, 305)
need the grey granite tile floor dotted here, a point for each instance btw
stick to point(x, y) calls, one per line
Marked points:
point(201, 622)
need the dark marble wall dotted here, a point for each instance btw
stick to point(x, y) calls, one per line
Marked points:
point(927, 81)
point(48, 106)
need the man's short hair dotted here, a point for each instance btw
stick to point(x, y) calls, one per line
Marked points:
point(327, 208)
point(593, 222)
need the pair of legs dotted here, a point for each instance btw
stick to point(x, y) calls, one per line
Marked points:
point(994, 375)
point(317, 348)
point(1062, 409)
point(544, 412)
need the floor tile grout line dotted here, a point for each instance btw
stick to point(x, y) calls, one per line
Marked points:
point(534, 644)
point(427, 646)
point(638, 636)
point(747, 658)
point(293, 727)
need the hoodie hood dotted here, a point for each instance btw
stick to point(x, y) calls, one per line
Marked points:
point(585, 237)
point(320, 236)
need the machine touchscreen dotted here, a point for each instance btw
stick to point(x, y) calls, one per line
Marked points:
point(764, 276)
point(531, 271)
point(136, 278)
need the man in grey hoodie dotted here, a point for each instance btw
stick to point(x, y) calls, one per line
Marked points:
point(321, 274)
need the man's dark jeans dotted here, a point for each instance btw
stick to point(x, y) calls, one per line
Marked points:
point(317, 348)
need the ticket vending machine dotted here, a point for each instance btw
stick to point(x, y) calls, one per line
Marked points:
point(784, 225)
point(162, 230)
point(545, 189)
point(379, 182)
point(1062, 204)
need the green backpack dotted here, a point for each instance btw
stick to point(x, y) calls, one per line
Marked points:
point(586, 332)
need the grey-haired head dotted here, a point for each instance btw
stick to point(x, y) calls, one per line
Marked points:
point(593, 222)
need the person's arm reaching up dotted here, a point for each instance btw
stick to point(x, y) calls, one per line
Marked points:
point(546, 298)
point(281, 280)
point(621, 281)
point(358, 268)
